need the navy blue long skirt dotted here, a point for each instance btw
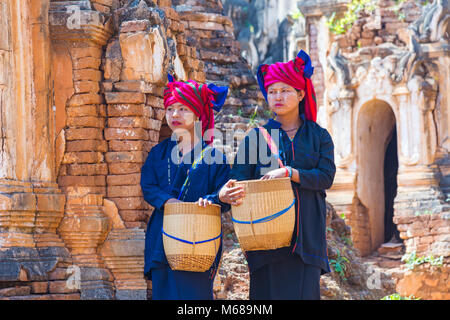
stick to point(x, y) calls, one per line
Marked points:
point(289, 279)
point(168, 284)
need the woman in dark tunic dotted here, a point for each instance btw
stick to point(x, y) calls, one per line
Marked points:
point(306, 151)
point(169, 176)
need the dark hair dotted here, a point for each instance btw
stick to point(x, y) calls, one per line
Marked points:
point(301, 106)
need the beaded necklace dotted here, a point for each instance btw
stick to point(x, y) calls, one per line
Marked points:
point(187, 182)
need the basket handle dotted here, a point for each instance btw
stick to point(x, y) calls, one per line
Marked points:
point(265, 219)
point(272, 146)
point(251, 225)
point(190, 242)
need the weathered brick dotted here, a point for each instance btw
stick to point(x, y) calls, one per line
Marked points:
point(134, 25)
point(153, 135)
point(85, 99)
point(39, 287)
point(366, 42)
point(86, 86)
point(124, 191)
point(84, 134)
point(29, 297)
point(394, 26)
point(86, 145)
point(15, 291)
point(131, 156)
point(159, 114)
point(181, 50)
point(128, 122)
point(86, 63)
point(126, 134)
point(124, 97)
point(82, 157)
point(197, 76)
point(133, 215)
point(78, 53)
point(133, 225)
point(79, 181)
point(87, 169)
point(122, 110)
point(206, 25)
point(123, 179)
point(426, 240)
point(176, 26)
point(60, 287)
point(72, 296)
point(59, 274)
point(181, 39)
point(87, 75)
point(124, 168)
point(154, 124)
point(139, 86)
point(130, 203)
point(168, 10)
point(83, 111)
point(101, 8)
point(155, 102)
point(126, 145)
point(82, 122)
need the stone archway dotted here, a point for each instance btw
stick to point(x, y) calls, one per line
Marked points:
point(375, 126)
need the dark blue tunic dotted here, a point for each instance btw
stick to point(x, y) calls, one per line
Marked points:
point(311, 152)
point(162, 179)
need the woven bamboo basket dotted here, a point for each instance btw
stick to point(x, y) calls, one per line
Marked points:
point(264, 198)
point(189, 222)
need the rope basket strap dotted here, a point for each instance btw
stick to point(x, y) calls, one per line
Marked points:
point(266, 219)
point(190, 242)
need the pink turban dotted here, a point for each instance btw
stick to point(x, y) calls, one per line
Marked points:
point(202, 99)
point(296, 73)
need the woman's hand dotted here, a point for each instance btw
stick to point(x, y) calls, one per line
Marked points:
point(173, 200)
point(203, 202)
point(231, 194)
point(277, 173)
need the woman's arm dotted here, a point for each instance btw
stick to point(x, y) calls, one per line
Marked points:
point(322, 176)
point(220, 178)
point(153, 194)
point(244, 166)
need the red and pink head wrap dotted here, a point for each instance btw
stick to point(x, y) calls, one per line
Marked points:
point(202, 99)
point(296, 73)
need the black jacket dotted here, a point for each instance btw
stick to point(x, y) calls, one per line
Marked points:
point(313, 157)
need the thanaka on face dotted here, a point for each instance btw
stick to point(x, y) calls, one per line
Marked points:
point(283, 99)
point(181, 120)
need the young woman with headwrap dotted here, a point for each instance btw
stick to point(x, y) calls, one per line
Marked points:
point(169, 175)
point(306, 151)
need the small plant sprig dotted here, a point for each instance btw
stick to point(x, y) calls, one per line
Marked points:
point(339, 265)
point(396, 296)
point(252, 120)
point(354, 8)
point(296, 15)
point(411, 260)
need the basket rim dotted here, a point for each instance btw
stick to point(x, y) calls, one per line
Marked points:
point(175, 204)
point(259, 181)
point(191, 208)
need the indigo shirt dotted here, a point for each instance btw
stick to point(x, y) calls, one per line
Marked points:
point(311, 152)
point(158, 171)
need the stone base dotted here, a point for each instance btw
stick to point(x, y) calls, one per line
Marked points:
point(426, 283)
point(97, 290)
point(30, 264)
point(96, 284)
point(131, 294)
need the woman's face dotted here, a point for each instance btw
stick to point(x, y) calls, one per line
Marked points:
point(179, 117)
point(283, 99)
